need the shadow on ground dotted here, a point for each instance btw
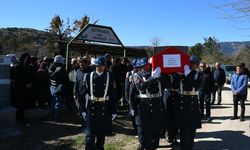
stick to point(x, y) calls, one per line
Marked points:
point(232, 140)
point(43, 133)
point(219, 107)
point(226, 88)
point(123, 125)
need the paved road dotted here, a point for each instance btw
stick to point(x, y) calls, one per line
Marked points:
point(223, 133)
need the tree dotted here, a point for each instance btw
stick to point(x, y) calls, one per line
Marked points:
point(155, 41)
point(211, 50)
point(236, 10)
point(196, 50)
point(59, 28)
point(80, 24)
point(241, 56)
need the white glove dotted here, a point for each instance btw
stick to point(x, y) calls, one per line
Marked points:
point(157, 72)
point(132, 112)
point(84, 115)
point(187, 70)
point(113, 116)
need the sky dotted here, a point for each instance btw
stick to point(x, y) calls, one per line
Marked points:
point(136, 22)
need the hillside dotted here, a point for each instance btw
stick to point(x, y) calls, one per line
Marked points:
point(39, 43)
point(18, 40)
point(230, 48)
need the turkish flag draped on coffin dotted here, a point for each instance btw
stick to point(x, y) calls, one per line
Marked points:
point(170, 60)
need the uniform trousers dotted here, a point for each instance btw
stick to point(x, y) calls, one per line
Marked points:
point(147, 140)
point(187, 138)
point(94, 142)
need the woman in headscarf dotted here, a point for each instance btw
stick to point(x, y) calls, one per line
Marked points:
point(23, 83)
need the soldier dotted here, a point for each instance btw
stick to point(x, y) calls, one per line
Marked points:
point(186, 113)
point(98, 105)
point(78, 86)
point(147, 105)
point(128, 87)
point(169, 96)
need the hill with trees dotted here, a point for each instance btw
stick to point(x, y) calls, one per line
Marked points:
point(18, 40)
point(41, 43)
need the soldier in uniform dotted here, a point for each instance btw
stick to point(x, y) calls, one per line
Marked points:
point(78, 87)
point(147, 105)
point(186, 112)
point(169, 95)
point(128, 87)
point(98, 105)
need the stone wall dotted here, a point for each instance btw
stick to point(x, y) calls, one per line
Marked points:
point(4, 94)
point(7, 112)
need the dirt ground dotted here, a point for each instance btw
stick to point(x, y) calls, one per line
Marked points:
point(65, 135)
point(221, 133)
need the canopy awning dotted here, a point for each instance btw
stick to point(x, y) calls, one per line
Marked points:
point(99, 49)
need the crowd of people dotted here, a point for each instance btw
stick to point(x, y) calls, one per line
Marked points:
point(94, 87)
point(43, 82)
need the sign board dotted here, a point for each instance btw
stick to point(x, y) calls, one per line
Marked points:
point(170, 60)
point(96, 33)
point(100, 34)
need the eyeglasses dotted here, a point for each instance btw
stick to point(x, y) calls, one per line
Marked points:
point(201, 66)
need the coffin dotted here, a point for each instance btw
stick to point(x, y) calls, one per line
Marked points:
point(170, 60)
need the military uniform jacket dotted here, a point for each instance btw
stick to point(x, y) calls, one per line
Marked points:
point(149, 112)
point(128, 84)
point(99, 110)
point(184, 105)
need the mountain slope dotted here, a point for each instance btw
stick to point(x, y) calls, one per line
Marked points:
point(230, 48)
point(18, 40)
point(36, 42)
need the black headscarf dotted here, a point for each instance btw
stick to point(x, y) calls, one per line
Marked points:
point(23, 56)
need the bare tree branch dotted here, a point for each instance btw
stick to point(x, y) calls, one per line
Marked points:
point(155, 41)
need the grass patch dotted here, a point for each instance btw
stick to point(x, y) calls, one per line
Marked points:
point(78, 141)
point(118, 143)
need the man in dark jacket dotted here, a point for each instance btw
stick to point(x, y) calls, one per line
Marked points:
point(245, 70)
point(108, 60)
point(58, 78)
point(219, 79)
point(118, 71)
point(205, 90)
